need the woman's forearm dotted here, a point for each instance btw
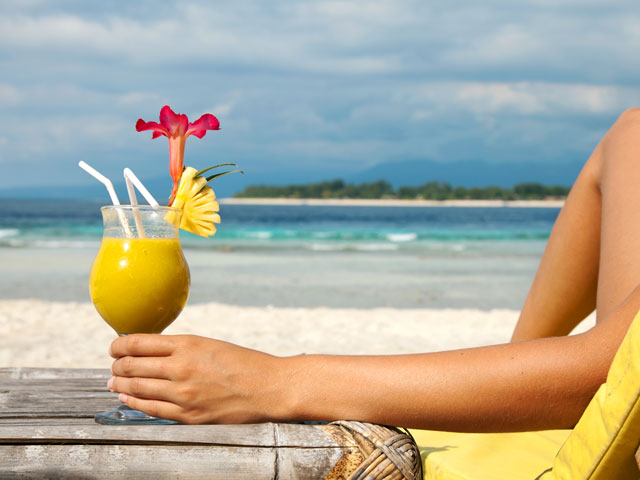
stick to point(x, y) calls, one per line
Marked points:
point(532, 385)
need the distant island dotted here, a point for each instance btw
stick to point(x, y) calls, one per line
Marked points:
point(381, 189)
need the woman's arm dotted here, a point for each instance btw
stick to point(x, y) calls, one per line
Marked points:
point(531, 385)
point(536, 384)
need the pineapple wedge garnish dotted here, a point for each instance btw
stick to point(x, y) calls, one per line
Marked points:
point(198, 204)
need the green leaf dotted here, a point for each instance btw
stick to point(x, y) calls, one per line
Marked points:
point(216, 166)
point(223, 173)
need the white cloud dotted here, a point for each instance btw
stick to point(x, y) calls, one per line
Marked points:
point(502, 46)
point(223, 109)
point(9, 95)
point(135, 98)
point(375, 37)
point(61, 134)
point(304, 37)
point(495, 97)
point(522, 98)
point(334, 151)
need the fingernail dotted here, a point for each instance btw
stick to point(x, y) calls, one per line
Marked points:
point(110, 384)
point(123, 398)
point(110, 351)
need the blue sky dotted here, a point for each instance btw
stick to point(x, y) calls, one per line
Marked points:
point(307, 90)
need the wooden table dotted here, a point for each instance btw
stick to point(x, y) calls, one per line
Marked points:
point(47, 431)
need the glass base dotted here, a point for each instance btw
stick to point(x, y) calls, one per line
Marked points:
point(124, 415)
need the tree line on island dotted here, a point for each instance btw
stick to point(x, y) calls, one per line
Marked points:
point(381, 189)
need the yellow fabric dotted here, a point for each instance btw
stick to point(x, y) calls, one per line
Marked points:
point(487, 456)
point(600, 447)
point(603, 443)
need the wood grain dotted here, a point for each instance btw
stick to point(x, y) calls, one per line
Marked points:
point(160, 462)
point(257, 435)
point(47, 431)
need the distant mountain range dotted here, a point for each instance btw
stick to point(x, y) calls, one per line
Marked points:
point(398, 173)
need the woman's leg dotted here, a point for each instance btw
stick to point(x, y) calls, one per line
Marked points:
point(592, 259)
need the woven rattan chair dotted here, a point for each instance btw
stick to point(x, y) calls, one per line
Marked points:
point(375, 452)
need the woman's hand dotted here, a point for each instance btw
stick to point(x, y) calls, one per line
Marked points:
point(196, 380)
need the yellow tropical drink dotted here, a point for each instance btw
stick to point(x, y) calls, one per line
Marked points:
point(139, 285)
point(139, 281)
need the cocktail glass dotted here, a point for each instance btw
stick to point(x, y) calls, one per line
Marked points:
point(139, 280)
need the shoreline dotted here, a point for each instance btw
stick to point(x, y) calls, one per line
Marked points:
point(36, 333)
point(441, 275)
point(359, 202)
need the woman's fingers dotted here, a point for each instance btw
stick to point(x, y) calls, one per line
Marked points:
point(142, 388)
point(151, 367)
point(142, 345)
point(155, 408)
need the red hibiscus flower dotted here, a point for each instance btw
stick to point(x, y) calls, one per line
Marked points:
point(177, 128)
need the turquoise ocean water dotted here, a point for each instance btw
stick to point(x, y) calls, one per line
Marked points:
point(63, 224)
point(339, 256)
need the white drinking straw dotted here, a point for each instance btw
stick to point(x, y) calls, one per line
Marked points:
point(134, 203)
point(112, 193)
point(101, 178)
point(145, 193)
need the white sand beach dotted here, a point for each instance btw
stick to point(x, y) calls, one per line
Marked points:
point(38, 333)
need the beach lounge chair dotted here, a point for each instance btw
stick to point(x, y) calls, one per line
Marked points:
point(600, 447)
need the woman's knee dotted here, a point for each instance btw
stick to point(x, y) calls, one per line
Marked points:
point(626, 128)
point(619, 150)
point(608, 154)
point(631, 115)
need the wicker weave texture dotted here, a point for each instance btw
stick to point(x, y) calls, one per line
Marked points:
point(376, 452)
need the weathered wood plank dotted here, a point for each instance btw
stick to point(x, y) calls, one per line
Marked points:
point(258, 435)
point(311, 436)
point(129, 461)
point(247, 435)
point(20, 373)
point(49, 421)
point(135, 461)
point(45, 401)
point(53, 393)
point(307, 463)
point(79, 408)
point(54, 383)
point(64, 411)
